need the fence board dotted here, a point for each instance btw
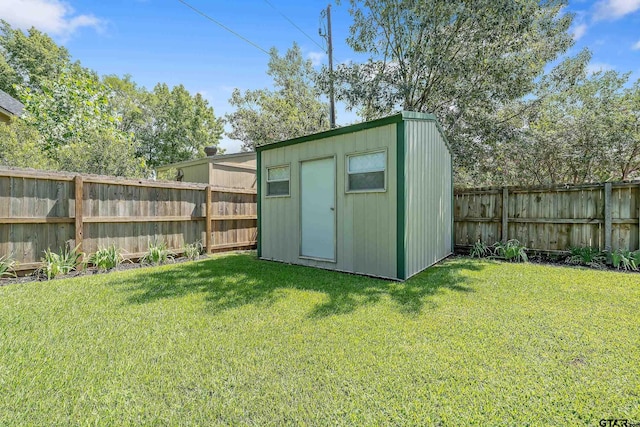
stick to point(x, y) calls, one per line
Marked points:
point(38, 210)
point(551, 218)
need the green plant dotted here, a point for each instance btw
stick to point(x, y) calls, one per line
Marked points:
point(480, 250)
point(7, 266)
point(63, 263)
point(586, 255)
point(193, 250)
point(623, 259)
point(106, 258)
point(157, 253)
point(512, 250)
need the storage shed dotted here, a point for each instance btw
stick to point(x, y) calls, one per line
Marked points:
point(236, 170)
point(373, 198)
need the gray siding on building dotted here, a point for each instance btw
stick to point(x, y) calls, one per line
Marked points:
point(196, 173)
point(428, 196)
point(365, 222)
point(234, 173)
point(226, 170)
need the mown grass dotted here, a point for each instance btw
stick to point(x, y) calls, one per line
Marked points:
point(237, 341)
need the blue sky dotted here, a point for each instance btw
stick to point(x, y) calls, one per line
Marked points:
point(165, 41)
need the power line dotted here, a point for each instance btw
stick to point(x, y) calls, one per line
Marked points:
point(199, 12)
point(294, 24)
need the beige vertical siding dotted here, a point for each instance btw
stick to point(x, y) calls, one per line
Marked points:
point(228, 170)
point(428, 193)
point(235, 172)
point(196, 173)
point(365, 222)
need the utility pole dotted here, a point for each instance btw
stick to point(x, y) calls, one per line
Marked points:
point(332, 101)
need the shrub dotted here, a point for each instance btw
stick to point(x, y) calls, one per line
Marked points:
point(512, 251)
point(106, 258)
point(193, 250)
point(7, 266)
point(157, 254)
point(588, 256)
point(635, 257)
point(63, 263)
point(625, 259)
point(480, 250)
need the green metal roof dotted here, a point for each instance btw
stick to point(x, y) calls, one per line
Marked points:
point(396, 118)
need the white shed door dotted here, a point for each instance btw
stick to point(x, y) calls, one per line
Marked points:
point(317, 208)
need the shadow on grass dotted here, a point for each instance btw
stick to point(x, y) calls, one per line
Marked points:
point(235, 280)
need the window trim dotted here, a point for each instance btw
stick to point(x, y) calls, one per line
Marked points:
point(385, 170)
point(267, 181)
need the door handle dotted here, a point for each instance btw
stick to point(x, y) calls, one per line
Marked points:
point(332, 208)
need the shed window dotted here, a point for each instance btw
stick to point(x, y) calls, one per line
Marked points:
point(366, 172)
point(278, 181)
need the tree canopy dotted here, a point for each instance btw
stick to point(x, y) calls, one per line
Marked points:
point(78, 126)
point(463, 61)
point(78, 122)
point(292, 109)
point(588, 131)
point(175, 126)
point(27, 59)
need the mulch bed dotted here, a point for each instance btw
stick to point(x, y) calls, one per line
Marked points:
point(127, 265)
point(554, 260)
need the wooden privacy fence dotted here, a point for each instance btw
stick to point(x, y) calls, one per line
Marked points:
point(40, 210)
point(605, 216)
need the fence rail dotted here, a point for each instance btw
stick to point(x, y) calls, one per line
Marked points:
point(41, 210)
point(551, 219)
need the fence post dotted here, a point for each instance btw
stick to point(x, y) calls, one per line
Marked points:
point(505, 214)
point(208, 219)
point(79, 226)
point(607, 219)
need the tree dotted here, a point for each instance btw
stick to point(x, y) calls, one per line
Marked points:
point(293, 109)
point(77, 125)
point(175, 126)
point(462, 60)
point(586, 132)
point(28, 59)
point(108, 126)
point(626, 150)
point(127, 100)
point(21, 146)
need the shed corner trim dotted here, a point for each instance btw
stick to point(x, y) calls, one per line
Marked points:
point(259, 203)
point(411, 115)
point(400, 202)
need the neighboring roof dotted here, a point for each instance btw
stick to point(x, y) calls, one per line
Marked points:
point(212, 159)
point(10, 104)
point(396, 118)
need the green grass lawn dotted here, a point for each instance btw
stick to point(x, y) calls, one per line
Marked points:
point(236, 341)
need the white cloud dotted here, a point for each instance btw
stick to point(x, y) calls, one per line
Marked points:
point(614, 9)
point(594, 67)
point(227, 88)
point(54, 17)
point(316, 58)
point(579, 31)
point(636, 45)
